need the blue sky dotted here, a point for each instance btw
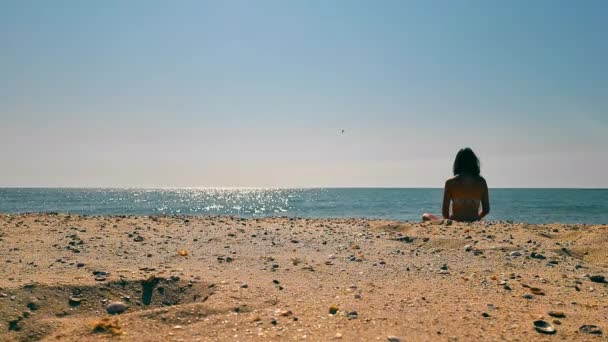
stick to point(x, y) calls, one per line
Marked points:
point(255, 93)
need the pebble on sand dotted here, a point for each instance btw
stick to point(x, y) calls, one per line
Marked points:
point(590, 329)
point(557, 314)
point(74, 301)
point(33, 305)
point(116, 308)
point(535, 255)
point(597, 279)
point(537, 291)
point(544, 327)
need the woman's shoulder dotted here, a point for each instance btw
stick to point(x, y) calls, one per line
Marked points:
point(483, 181)
point(451, 181)
point(466, 179)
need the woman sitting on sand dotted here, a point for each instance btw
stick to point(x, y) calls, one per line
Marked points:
point(467, 191)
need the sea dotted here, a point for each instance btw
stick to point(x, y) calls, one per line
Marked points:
point(404, 204)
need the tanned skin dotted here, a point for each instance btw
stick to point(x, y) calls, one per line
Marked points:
point(469, 188)
point(473, 190)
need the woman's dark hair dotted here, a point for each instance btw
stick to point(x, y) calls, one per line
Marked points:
point(466, 163)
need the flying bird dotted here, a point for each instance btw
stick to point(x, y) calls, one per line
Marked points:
point(342, 131)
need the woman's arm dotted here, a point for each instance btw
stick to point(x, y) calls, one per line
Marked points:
point(485, 202)
point(445, 208)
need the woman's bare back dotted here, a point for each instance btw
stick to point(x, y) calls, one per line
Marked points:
point(465, 195)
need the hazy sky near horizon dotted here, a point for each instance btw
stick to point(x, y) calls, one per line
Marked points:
point(255, 93)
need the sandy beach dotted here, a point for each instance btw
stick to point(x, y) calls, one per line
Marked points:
point(232, 279)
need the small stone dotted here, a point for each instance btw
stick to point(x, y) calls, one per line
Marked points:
point(393, 339)
point(33, 305)
point(333, 310)
point(590, 329)
point(244, 286)
point(515, 254)
point(285, 313)
point(557, 314)
point(80, 264)
point(544, 327)
point(537, 291)
point(485, 314)
point(405, 239)
point(535, 255)
point(116, 308)
point(597, 279)
point(138, 238)
point(528, 296)
point(468, 248)
point(74, 301)
point(13, 325)
point(352, 315)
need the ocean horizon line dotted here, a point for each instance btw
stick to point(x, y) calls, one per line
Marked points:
point(279, 188)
